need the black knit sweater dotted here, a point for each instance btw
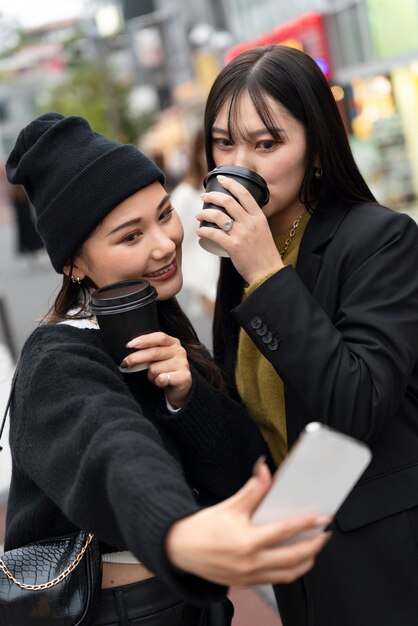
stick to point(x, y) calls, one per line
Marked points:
point(96, 449)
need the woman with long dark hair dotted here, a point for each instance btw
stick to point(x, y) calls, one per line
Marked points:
point(317, 319)
point(134, 457)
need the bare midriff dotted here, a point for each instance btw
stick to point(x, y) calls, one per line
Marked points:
point(116, 574)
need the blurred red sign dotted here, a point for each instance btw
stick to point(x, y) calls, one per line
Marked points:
point(306, 33)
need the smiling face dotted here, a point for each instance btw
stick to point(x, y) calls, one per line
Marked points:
point(140, 238)
point(279, 159)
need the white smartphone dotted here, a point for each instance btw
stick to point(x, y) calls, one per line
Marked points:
point(318, 474)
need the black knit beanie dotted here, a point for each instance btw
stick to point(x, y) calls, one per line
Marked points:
point(74, 177)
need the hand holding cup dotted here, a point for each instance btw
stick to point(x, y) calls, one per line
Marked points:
point(248, 240)
point(254, 183)
point(168, 364)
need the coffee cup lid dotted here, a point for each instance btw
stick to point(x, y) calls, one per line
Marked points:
point(243, 172)
point(123, 292)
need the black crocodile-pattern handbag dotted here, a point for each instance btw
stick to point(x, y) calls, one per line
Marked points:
point(54, 582)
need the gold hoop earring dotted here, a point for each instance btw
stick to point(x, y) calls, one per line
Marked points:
point(318, 173)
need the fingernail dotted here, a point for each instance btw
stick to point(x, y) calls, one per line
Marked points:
point(203, 195)
point(322, 520)
point(125, 363)
point(134, 343)
point(221, 178)
point(260, 461)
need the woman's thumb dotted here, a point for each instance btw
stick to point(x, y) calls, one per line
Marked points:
point(252, 493)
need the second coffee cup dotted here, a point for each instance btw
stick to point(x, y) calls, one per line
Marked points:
point(252, 181)
point(125, 310)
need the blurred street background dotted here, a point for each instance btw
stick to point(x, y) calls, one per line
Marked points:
point(139, 71)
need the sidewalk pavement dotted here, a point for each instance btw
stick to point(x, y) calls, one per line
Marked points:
point(253, 608)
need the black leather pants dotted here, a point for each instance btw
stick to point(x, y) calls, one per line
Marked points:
point(150, 603)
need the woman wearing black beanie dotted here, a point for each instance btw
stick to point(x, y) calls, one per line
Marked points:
point(135, 458)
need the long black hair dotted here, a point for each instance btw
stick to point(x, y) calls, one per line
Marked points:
point(293, 79)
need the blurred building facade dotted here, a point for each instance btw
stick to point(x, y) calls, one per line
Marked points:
point(169, 51)
point(29, 69)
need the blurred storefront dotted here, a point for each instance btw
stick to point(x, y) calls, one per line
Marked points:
point(374, 47)
point(171, 51)
point(34, 67)
point(306, 32)
point(381, 123)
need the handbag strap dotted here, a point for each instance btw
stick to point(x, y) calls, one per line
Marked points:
point(9, 401)
point(56, 580)
point(74, 564)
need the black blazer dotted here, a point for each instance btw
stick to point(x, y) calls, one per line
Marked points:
point(342, 334)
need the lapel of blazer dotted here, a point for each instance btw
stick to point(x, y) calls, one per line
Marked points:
point(319, 231)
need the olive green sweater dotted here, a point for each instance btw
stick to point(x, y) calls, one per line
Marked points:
point(259, 385)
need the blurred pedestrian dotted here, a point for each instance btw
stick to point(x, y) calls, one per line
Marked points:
point(200, 270)
point(316, 319)
point(160, 161)
point(98, 447)
point(27, 239)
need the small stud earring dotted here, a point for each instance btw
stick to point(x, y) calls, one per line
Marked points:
point(318, 173)
point(76, 279)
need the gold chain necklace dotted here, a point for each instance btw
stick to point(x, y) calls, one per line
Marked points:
point(292, 233)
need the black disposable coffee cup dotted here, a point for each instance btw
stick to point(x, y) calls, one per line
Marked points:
point(252, 181)
point(125, 310)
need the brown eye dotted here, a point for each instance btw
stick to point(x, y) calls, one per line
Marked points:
point(131, 237)
point(165, 215)
point(221, 142)
point(267, 144)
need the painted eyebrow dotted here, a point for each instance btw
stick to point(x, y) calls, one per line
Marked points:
point(137, 220)
point(253, 134)
point(221, 131)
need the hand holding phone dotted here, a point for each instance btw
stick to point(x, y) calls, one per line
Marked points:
point(321, 469)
